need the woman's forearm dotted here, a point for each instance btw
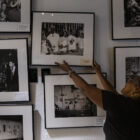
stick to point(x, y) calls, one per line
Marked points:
point(106, 84)
point(93, 93)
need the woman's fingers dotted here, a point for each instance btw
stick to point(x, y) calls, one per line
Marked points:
point(57, 63)
point(65, 62)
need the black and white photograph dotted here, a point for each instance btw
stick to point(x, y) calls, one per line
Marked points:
point(70, 102)
point(10, 10)
point(132, 13)
point(9, 80)
point(62, 39)
point(66, 106)
point(126, 20)
point(14, 81)
point(11, 127)
point(132, 67)
point(16, 122)
point(126, 64)
point(15, 16)
point(61, 36)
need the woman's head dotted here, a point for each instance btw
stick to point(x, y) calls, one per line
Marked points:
point(132, 88)
point(3, 6)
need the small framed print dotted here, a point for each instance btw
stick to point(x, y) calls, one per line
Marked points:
point(127, 65)
point(33, 75)
point(126, 20)
point(67, 106)
point(14, 84)
point(16, 122)
point(61, 36)
point(15, 15)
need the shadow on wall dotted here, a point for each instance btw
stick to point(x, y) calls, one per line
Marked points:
point(37, 125)
point(76, 132)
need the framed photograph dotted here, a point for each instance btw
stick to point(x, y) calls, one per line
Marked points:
point(61, 36)
point(14, 84)
point(127, 65)
point(16, 122)
point(15, 15)
point(67, 106)
point(126, 20)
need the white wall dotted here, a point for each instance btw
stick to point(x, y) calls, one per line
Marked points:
point(103, 51)
point(103, 48)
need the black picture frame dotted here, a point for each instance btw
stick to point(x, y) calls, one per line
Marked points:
point(14, 83)
point(126, 65)
point(45, 71)
point(17, 18)
point(55, 121)
point(18, 117)
point(33, 75)
point(84, 21)
point(125, 23)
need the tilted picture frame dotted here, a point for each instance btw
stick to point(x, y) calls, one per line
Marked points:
point(61, 36)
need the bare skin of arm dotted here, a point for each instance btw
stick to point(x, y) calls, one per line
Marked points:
point(93, 93)
point(106, 84)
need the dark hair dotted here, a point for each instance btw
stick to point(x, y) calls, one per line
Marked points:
point(135, 80)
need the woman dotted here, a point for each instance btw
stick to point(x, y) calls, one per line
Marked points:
point(123, 111)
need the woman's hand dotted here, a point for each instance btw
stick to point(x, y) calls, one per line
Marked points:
point(96, 67)
point(64, 66)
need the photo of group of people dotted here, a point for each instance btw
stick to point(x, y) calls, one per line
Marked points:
point(62, 39)
point(11, 127)
point(10, 10)
point(9, 70)
point(71, 102)
point(132, 13)
point(132, 67)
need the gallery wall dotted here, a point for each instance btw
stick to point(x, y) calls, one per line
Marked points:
point(103, 54)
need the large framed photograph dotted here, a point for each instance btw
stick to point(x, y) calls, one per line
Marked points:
point(16, 122)
point(126, 20)
point(61, 36)
point(15, 15)
point(127, 65)
point(67, 106)
point(14, 84)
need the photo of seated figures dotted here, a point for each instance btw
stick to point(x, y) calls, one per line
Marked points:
point(62, 39)
point(132, 67)
point(8, 70)
point(70, 102)
point(10, 10)
point(132, 13)
point(11, 127)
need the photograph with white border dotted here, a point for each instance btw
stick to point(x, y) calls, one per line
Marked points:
point(126, 65)
point(126, 20)
point(14, 84)
point(63, 109)
point(14, 122)
point(63, 36)
point(15, 15)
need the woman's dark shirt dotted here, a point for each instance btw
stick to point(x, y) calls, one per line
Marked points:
point(123, 117)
